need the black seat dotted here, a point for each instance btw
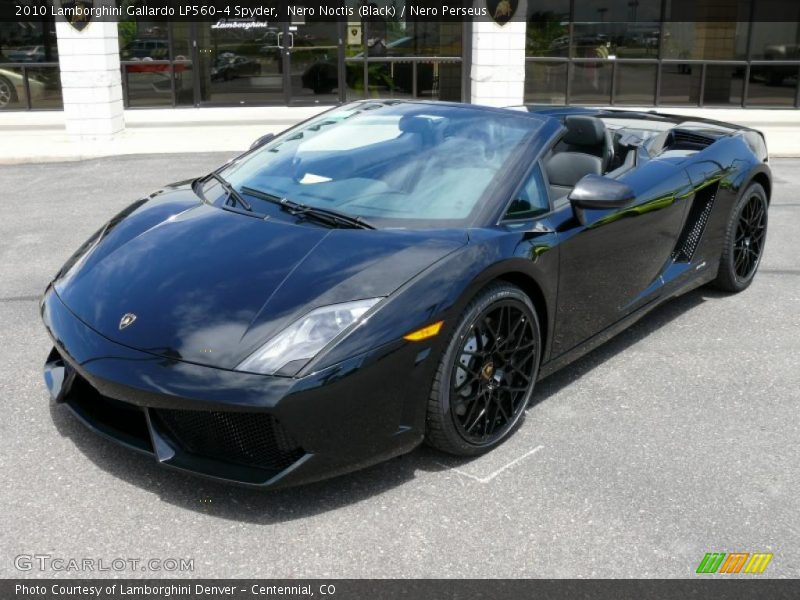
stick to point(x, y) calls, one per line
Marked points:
point(585, 149)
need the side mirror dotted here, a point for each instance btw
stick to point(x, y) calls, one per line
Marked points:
point(264, 139)
point(597, 192)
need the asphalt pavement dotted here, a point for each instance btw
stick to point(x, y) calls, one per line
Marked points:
point(677, 438)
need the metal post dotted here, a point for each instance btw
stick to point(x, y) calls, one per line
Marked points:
point(466, 61)
point(701, 99)
point(341, 68)
point(613, 81)
point(27, 84)
point(365, 54)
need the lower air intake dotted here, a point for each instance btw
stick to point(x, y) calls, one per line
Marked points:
point(251, 439)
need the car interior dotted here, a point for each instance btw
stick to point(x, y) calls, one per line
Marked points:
point(609, 146)
point(587, 147)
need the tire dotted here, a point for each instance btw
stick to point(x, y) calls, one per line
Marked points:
point(487, 373)
point(8, 93)
point(745, 237)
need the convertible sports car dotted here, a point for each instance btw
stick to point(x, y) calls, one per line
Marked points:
point(391, 272)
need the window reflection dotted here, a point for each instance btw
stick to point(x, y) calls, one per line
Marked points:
point(548, 28)
point(724, 85)
point(591, 83)
point(545, 82)
point(25, 50)
point(12, 89)
point(28, 42)
point(680, 84)
point(636, 84)
point(772, 85)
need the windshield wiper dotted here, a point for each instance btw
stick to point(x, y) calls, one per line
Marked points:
point(233, 195)
point(323, 214)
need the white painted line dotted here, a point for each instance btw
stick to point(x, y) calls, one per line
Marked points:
point(491, 476)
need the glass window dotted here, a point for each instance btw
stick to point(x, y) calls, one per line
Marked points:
point(617, 11)
point(45, 86)
point(547, 33)
point(400, 39)
point(680, 84)
point(706, 40)
point(616, 29)
point(243, 63)
point(314, 68)
point(393, 164)
point(590, 83)
point(28, 42)
point(447, 79)
point(181, 41)
point(147, 47)
point(723, 85)
point(772, 85)
point(776, 41)
point(713, 30)
point(148, 84)
point(143, 41)
point(184, 83)
point(12, 89)
point(531, 200)
point(545, 82)
point(636, 84)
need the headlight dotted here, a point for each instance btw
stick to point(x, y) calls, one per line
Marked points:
point(290, 350)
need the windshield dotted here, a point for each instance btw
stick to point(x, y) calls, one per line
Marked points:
point(392, 164)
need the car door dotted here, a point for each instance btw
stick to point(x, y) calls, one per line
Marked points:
point(611, 260)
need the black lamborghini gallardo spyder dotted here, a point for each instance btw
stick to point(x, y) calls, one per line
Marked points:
point(391, 272)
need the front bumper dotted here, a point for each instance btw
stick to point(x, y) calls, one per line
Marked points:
point(250, 429)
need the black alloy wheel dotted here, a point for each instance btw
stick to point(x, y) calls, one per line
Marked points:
point(487, 374)
point(744, 241)
point(749, 241)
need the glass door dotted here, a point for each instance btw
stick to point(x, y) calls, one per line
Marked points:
point(241, 62)
point(315, 62)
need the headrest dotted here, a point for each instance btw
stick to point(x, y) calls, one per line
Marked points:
point(416, 124)
point(584, 131)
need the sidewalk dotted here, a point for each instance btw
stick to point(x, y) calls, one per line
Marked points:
point(40, 136)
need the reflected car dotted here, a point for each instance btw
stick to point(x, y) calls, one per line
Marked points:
point(146, 48)
point(12, 88)
point(232, 66)
point(29, 54)
point(391, 273)
point(775, 75)
point(322, 76)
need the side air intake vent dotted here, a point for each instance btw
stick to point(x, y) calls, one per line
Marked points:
point(683, 139)
point(695, 224)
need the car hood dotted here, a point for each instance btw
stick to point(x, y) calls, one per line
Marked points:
point(210, 286)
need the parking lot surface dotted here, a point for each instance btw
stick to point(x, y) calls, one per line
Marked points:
point(677, 438)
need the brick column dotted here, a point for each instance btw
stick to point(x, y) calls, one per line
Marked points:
point(498, 61)
point(91, 83)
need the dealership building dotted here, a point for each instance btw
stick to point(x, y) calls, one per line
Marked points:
point(596, 52)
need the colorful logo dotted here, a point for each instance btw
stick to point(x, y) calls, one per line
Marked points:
point(734, 562)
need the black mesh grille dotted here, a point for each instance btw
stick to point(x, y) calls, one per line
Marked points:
point(252, 439)
point(695, 224)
